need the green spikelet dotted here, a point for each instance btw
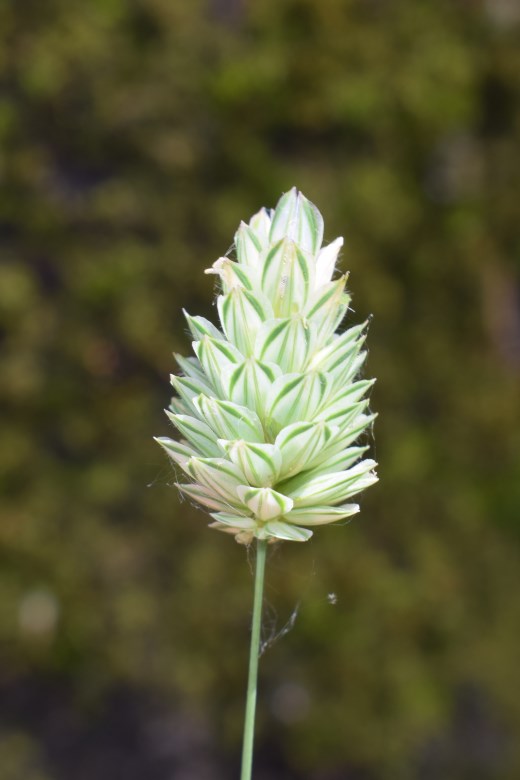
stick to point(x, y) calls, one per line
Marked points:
point(271, 407)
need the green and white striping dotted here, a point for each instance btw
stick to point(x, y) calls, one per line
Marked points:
point(272, 406)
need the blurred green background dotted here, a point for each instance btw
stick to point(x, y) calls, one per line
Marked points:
point(135, 134)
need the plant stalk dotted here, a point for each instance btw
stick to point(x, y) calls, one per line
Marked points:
point(249, 723)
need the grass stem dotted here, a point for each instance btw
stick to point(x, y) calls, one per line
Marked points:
point(249, 723)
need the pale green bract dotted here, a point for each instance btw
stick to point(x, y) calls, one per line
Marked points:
point(271, 407)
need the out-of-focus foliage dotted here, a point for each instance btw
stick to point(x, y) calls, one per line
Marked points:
point(134, 137)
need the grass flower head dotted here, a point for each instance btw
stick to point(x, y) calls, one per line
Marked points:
point(271, 406)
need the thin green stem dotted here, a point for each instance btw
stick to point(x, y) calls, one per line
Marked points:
point(249, 723)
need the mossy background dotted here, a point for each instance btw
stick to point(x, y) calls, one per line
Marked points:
point(135, 134)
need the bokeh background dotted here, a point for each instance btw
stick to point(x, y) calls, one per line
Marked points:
point(135, 134)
